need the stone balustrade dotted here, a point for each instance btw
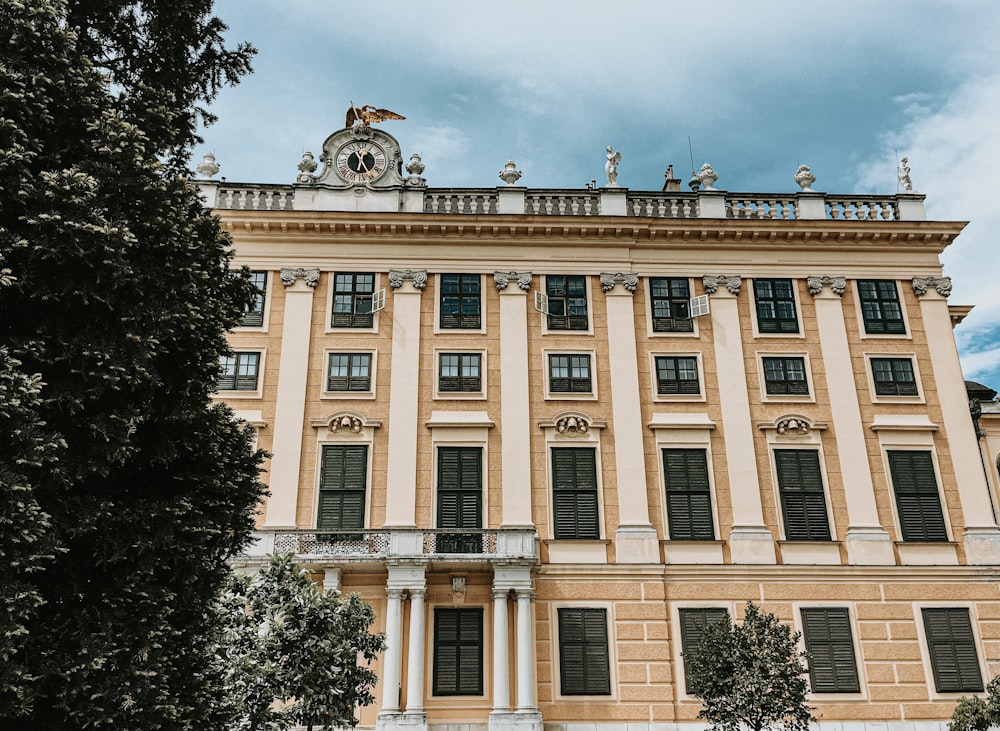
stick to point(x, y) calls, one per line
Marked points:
point(474, 202)
point(861, 208)
point(562, 203)
point(255, 197)
point(761, 206)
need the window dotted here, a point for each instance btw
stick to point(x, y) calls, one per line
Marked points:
point(254, 315)
point(917, 499)
point(460, 498)
point(459, 372)
point(460, 301)
point(803, 502)
point(567, 302)
point(239, 371)
point(952, 649)
point(677, 375)
point(689, 500)
point(584, 668)
point(349, 372)
point(569, 374)
point(785, 376)
point(894, 377)
point(830, 644)
point(775, 300)
point(574, 492)
point(458, 651)
point(669, 301)
point(342, 483)
point(880, 308)
point(352, 299)
point(693, 623)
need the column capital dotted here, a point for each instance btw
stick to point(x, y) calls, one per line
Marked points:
point(941, 284)
point(417, 276)
point(502, 279)
point(525, 593)
point(394, 593)
point(290, 275)
point(628, 280)
point(732, 282)
point(836, 284)
point(500, 593)
point(419, 591)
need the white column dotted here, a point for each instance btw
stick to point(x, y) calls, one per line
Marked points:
point(635, 540)
point(290, 406)
point(982, 536)
point(525, 653)
point(750, 541)
point(501, 653)
point(415, 656)
point(401, 475)
point(393, 657)
point(867, 541)
point(515, 419)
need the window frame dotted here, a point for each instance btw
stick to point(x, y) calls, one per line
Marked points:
point(679, 394)
point(331, 324)
point(587, 645)
point(785, 493)
point(838, 648)
point(547, 319)
point(439, 325)
point(350, 354)
point(704, 492)
point(679, 324)
point(784, 360)
point(258, 376)
point(780, 324)
point(436, 660)
point(933, 498)
point(901, 329)
point(262, 300)
point(893, 359)
point(475, 539)
point(929, 656)
point(597, 531)
point(571, 380)
point(683, 645)
point(439, 378)
point(363, 490)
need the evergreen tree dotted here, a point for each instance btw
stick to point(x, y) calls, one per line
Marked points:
point(749, 675)
point(118, 298)
point(290, 651)
point(975, 714)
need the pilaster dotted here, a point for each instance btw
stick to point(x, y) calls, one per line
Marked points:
point(635, 541)
point(750, 542)
point(982, 535)
point(290, 406)
point(401, 480)
point(867, 541)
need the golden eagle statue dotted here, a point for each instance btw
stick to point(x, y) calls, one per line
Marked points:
point(367, 114)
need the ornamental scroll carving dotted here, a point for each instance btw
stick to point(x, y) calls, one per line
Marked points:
point(417, 277)
point(572, 425)
point(309, 276)
point(502, 279)
point(792, 426)
point(628, 280)
point(837, 285)
point(941, 284)
point(730, 282)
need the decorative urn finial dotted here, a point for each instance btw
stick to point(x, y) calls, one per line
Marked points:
point(510, 174)
point(805, 178)
point(307, 166)
point(707, 177)
point(415, 167)
point(208, 166)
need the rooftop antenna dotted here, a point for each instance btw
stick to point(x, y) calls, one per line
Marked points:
point(691, 153)
point(694, 183)
point(896, 150)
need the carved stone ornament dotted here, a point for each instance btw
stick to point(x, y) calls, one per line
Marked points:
point(510, 174)
point(311, 276)
point(837, 285)
point(805, 178)
point(307, 166)
point(707, 177)
point(730, 282)
point(418, 277)
point(346, 424)
point(941, 284)
point(628, 280)
point(415, 167)
point(792, 426)
point(502, 279)
point(572, 425)
point(208, 166)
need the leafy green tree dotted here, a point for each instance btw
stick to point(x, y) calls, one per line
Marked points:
point(975, 714)
point(290, 651)
point(117, 296)
point(750, 675)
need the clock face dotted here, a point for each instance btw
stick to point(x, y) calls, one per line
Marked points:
point(361, 161)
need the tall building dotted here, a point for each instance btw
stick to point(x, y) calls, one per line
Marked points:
point(549, 434)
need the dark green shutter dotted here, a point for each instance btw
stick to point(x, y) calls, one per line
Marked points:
point(828, 638)
point(460, 498)
point(584, 667)
point(952, 649)
point(458, 651)
point(803, 502)
point(574, 492)
point(689, 500)
point(343, 478)
point(693, 622)
point(917, 499)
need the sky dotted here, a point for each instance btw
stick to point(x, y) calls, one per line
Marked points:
point(755, 88)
